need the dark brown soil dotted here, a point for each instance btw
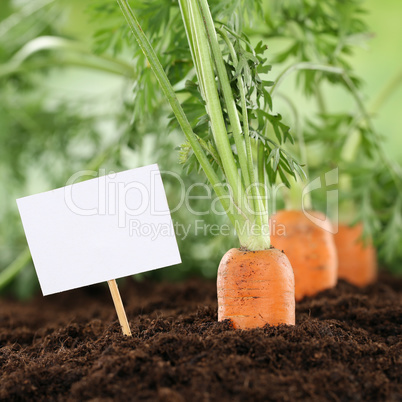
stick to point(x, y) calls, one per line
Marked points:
point(347, 345)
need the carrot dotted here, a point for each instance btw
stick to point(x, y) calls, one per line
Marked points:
point(357, 261)
point(311, 250)
point(256, 288)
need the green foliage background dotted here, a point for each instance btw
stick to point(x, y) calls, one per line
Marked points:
point(73, 109)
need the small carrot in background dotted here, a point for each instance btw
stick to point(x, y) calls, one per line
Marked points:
point(310, 248)
point(344, 136)
point(357, 260)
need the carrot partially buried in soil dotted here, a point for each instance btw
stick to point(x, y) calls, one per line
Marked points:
point(357, 261)
point(310, 248)
point(255, 288)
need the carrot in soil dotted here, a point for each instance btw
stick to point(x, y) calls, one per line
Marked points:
point(256, 288)
point(311, 250)
point(357, 262)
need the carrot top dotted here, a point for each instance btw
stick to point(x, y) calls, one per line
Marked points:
point(228, 139)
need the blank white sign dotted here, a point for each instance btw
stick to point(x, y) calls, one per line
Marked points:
point(100, 229)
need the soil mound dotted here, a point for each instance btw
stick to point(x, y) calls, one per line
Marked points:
point(347, 346)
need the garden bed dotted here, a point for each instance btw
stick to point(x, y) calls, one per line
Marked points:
point(347, 345)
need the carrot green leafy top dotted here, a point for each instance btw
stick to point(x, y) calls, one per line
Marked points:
point(234, 108)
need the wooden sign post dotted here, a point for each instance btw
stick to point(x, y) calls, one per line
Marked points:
point(109, 227)
point(118, 304)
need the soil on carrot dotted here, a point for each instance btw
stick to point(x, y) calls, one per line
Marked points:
point(347, 345)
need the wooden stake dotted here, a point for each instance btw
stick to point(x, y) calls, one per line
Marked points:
point(118, 304)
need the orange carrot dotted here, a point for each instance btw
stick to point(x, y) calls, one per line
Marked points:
point(357, 261)
point(256, 288)
point(311, 250)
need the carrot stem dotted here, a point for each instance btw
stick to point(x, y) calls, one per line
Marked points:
point(206, 75)
point(357, 98)
point(386, 92)
point(303, 66)
point(79, 56)
point(227, 92)
point(259, 208)
point(320, 100)
point(261, 174)
point(11, 271)
point(295, 188)
point(206, 54)
point(382, 154)
point(227, 199)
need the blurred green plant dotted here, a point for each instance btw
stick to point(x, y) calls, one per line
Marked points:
point(45, 136)
point(322, 38)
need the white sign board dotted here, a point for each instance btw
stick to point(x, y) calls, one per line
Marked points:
point(100, 229)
